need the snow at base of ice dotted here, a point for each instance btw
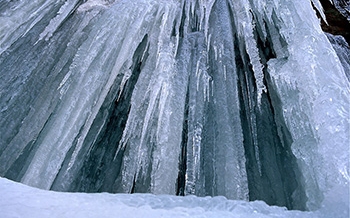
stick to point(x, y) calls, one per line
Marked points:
point(18, 200)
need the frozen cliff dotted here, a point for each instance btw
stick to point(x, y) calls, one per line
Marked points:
point(244, 99)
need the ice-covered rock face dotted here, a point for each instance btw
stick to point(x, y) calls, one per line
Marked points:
point(245, 99)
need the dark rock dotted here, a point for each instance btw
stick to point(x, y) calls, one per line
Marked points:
point(338, 24)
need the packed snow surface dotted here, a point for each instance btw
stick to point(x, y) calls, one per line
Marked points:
point(18, 200)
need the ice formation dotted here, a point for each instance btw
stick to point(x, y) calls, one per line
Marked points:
point(244, 99)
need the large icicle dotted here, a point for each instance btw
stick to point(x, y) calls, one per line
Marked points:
point(311, 97)
point(245, 27)
point(75, 114)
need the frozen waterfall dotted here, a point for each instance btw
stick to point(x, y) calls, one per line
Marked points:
point(244, 99)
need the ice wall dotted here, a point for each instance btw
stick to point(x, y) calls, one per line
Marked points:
point(245, 99)
point(342, 49)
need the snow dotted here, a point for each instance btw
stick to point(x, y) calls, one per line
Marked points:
point(18, 200)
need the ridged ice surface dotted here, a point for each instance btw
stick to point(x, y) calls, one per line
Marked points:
point(244, 99)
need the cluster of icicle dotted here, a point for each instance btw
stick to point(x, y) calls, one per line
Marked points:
point(172, 41)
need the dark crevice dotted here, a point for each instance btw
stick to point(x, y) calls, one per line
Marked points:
point(338, 24)
point(173, 31)
point(194, 18)
point(133, 185)
point(19, 167)
point(273, 174)
point(181, 179)
point(182, 21)
point(108, 168)
point(252, 167)
point(101, 165)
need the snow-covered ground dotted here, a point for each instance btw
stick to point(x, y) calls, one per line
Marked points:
point(18, 200)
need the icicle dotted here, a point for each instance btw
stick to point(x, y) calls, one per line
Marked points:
point(319, 8)
point(17, 22)
point(55, 22)
point(245, 25)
